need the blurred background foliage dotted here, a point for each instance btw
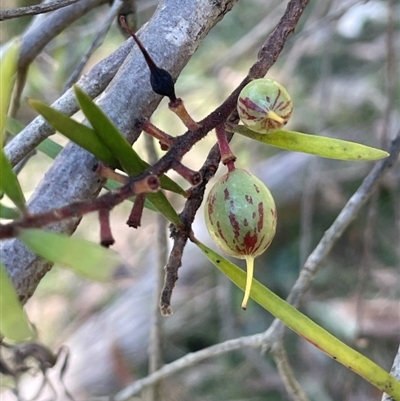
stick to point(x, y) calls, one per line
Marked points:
point(341, 68)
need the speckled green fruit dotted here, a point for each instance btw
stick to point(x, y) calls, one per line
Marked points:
point(240, 215)
point(264, 105)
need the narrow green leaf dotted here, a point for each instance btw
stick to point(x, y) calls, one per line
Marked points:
point(8, 64)
point(161, 204)
point(9, 183)
point(116, 142)
point(314, 144)
point(8, 212)
point(129, 159)
point(48, 146)
point(14, 126)
point(306, 328)
point(13, 322)
point(76, 132)
point(85, 258)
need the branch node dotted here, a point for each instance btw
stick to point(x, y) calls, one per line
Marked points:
point(165, 140)
point(179, 109)
point(193, 177)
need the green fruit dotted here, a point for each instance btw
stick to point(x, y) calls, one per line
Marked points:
point(264, 105)
point(240, 215)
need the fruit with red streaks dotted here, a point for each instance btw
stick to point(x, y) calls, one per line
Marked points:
point(264, 105)
point(240, 216)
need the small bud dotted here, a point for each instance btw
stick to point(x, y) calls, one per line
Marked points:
point(264, 105)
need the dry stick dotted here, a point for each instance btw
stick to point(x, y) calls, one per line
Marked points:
point(138, 185)
point(35, 9)
point(268, 338)
point(292, 386)
point(187, 361)
point(156, 359)
point(97, 42)
point(266, 58)
point(39, 35)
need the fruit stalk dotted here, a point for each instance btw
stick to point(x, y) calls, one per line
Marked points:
point(249, 279)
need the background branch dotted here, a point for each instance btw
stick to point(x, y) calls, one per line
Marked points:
point(34, 9)
point(42, 31)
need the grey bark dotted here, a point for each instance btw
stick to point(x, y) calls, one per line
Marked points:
point(171, 36)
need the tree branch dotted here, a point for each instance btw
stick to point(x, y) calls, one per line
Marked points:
point(172, 36)
point(43, 29)
point(35, 9)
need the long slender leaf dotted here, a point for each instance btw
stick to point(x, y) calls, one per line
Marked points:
point(85, 258)
point(8, 64)
point(8, 212)
point(13, 322)
point(314, 144)
point(306, 328)
point(51, 149)
point(88, 139)
point(116, 142)
point(129, 159)
point(76, 132)
point(9, 183)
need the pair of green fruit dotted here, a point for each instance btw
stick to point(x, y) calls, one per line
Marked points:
point(240, 211)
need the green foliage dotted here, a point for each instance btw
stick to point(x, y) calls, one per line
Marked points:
point(79, 133)
point(314, 144)
point(8, 64)
point(9, 183)
point(130, 161)
point(13, 322)
point(8, 180)
point(102, 142)
point(305, 327)
point(83, 257)
point(8, 212)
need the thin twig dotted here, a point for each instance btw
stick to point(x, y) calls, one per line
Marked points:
point(188, 360)
point(35, 9)
point(45, 28)
point(156, 359)
point(97, 42)
point(292, 386)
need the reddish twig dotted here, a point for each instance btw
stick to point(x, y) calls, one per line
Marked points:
point(148, 183)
